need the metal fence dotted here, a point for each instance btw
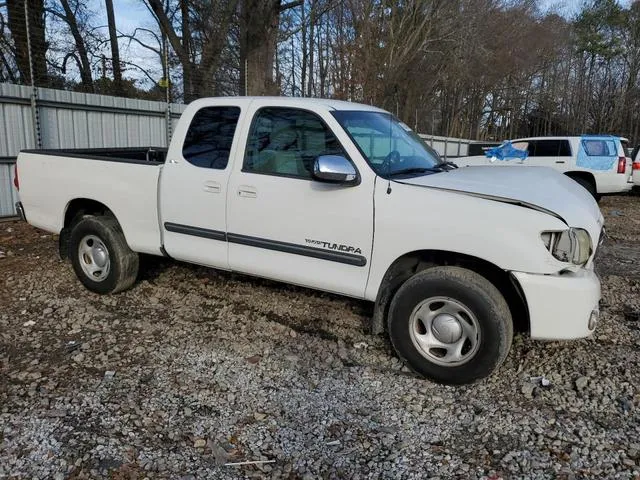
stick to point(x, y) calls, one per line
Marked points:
point(47, 118)
point(448, 147)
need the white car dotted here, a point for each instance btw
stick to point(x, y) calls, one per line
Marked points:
point(343, 198)
point(635, 156)
point(597, 162)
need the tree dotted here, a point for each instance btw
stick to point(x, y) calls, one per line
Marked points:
point(204, 28)
point(19, 26)
point(115, 51)
point(72, 14)
point(259, 22)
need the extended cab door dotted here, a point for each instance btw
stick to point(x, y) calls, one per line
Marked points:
point(193, 184)
point(284, 225)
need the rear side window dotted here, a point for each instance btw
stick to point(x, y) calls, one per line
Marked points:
point(600, 148)
point(549, 148)
point(210, 135)
point(286, 141)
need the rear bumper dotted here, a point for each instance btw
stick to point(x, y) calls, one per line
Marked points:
point(20, 210)
point(562, 306)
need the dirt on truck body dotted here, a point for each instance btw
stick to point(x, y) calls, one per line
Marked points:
point(194, 369)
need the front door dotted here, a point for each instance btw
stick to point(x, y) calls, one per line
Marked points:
point(285, 225)
point(193, 188)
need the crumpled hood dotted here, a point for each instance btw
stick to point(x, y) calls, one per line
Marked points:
point(541, 188)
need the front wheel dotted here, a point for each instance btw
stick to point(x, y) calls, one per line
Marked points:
point(450, 325)
point(101, 258)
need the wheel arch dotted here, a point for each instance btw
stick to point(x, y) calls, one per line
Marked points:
point(410, 263)
point(75, 209)
point(588, 176)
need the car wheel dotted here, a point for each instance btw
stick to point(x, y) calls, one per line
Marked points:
point(450, 325)
point(100, 256)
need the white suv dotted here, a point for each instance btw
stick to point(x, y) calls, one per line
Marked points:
point(597, 162)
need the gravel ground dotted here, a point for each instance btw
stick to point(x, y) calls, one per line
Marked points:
point(192, 369)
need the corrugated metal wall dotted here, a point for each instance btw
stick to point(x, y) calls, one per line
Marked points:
point(73, 120)
point(448, 147)
point(8, 195)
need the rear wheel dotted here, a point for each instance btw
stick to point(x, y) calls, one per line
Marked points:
point(100, 256)
point(450, 324)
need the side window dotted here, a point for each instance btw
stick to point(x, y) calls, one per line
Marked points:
point(210, 135)
point(286, 141)
point(547, 148)
point(565, 149)
point(531, 148)
point(600, 148)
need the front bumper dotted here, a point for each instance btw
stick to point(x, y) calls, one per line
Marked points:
point(562, 306)
point(20, 210)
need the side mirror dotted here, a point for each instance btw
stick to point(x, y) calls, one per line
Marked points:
point(334, 169)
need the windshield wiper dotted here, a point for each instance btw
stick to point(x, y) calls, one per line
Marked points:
point(446, 163)
point(408, 171)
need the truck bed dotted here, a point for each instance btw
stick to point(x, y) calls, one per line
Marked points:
point(139, 155)
point(125, 180)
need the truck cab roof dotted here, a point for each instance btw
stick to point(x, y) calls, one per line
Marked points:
point(291, 101)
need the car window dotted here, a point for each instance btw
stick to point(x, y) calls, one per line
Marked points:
point(600, 148)
point(286, 141)
point(565, 149)
point(210, 135)
point(549, 148)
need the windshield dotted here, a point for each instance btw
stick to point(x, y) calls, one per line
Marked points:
point(390, 146)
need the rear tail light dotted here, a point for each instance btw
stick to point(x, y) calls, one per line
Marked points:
point(16, 182)
point(636, 165)
point(622, 164)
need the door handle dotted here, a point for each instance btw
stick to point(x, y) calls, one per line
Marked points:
point(559, 161)
point(247, 191)
point(211, 187)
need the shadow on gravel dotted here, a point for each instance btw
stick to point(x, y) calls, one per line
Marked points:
point(152, 268)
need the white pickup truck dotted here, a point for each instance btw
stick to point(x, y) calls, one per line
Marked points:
point(343, 198)
point(597, 162)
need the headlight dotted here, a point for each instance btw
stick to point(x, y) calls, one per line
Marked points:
point(571, 246)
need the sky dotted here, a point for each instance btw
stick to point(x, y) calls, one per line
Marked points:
point(569, 8)
point(129, 15)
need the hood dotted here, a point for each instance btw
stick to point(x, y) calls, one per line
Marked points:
point(540, 188)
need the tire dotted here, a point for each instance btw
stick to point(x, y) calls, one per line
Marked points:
point(588, 186)
point(100, 256)
point(435, 305)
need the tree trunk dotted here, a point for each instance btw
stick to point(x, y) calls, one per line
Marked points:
point(259, 23)
point(115, 51)
point(84, 65)
point(258, 36)
point(305, 50)
point(187, 68)
point(312, 22)
point(18, 26)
